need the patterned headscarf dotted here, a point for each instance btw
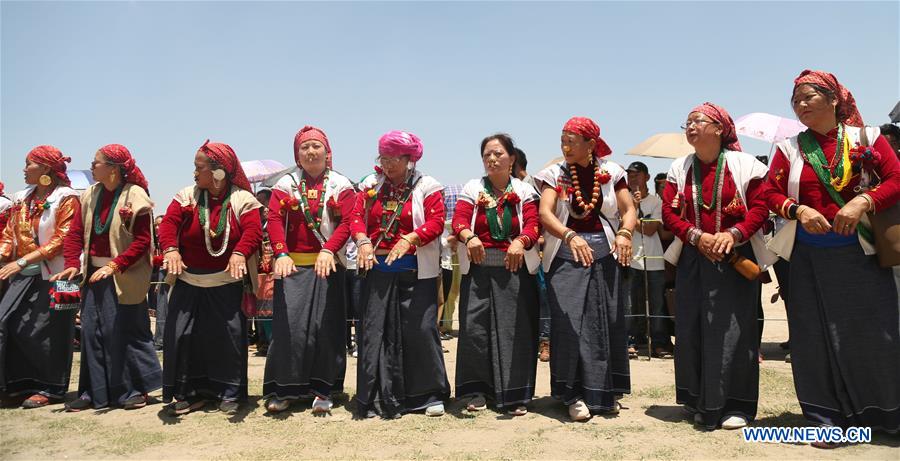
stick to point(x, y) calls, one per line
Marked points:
point(589, 130)
point(119, 154)
point(310, 132)
point(224, 155)
point(847, 112)
point(52, 157)
point(720, 115)
point(400, 143)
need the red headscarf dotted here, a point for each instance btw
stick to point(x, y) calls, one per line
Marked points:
point(2, 186)
point(53, 158)
point(720, 115)
point(847, 111)
point(119, 154)
point(310, 132)
point(224, 155)
point(589, 130)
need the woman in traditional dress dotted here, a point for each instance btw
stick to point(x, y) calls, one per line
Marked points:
point(397, 222)
point(309, 215)
point(119, 365)
point(35, 339)
point(713, 203)
point(588, 218)
point(210, 236)
point(496, 219)
point(845, 333)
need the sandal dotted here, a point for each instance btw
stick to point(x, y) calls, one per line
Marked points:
point(520, 410)
point(477, 403)
point(183, 407)
point(36, 401)
point(276, 405)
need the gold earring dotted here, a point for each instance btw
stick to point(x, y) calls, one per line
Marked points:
point(45, 180)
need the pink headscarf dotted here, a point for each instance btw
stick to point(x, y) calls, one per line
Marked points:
point(400, 143)
point(310, 132)
point(119, 154)
point(53, 158)
point(589, 130)
point(224, 155)
point(720, 115)
point(847, 112)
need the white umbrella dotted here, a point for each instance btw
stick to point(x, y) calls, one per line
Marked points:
point(767, 127)
point(258, 170)
point(81, 179)
point(663, 145)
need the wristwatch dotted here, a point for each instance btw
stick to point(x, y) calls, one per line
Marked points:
point(22, 262)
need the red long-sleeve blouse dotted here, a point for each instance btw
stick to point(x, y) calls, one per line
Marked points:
point(462, 219)
point(245, 235)
point(814, 194)
point(299, 238)
point(99, 246)
point(430, 230)
point(747, 218)
point(592, 222)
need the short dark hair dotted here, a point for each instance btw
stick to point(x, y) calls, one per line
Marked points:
point(505, 140)
point(890, 129)
point(521, 160)
point(763, 159)
point(659, 176)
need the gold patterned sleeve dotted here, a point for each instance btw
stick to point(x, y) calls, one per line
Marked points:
point(65, 214)
point(6, 238)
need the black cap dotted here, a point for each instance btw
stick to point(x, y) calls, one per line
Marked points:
point(638, 166)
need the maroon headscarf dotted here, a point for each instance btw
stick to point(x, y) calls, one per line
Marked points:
point(224, 155)
point(52, 157)
point(119, 154)
point(847, 112)
point(589, 130)
point(310, 132)
point(720, 115)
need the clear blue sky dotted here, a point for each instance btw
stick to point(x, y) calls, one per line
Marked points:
point(161, 78)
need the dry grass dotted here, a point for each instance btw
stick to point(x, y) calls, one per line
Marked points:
point(651, 426)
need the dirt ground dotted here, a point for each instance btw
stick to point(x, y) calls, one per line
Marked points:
point(650, 426)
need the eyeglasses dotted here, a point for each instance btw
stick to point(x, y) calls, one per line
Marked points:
point(390, 160)
point(698, 123)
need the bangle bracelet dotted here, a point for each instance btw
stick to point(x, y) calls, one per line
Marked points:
point(170, 249)
point(792, 211)
point(736, 233)
point(569, 235)
point(238, 253)
point(625, 233)
point(113, 266)
point(466, 241)
point(800, 210)
point(694, 235)
point(868, 199)
point(363, 241)
point(326, 250)
point(282, 254)
point(403, 237)
point(524, 239)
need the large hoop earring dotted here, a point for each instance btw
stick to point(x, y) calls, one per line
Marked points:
point(45, 180)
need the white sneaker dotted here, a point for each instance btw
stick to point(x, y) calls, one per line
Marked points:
point(579, 411)
point(321, 406)
point(435, 410)
point(734, 422)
